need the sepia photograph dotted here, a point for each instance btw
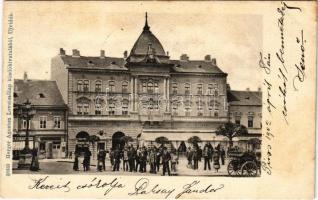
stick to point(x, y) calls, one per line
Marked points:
point(146, 111)
point(158, 99)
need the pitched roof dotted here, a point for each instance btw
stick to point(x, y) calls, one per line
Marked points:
point(87, 62)
point(39, 92)
point(244, 98)
point(195, 66)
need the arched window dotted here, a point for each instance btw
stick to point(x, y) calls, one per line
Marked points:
point(144, 87)
point(156, 87)
point(98, 86)
point(125, 87)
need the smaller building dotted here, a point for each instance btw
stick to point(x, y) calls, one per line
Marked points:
point(245, 108)
point(47, 124)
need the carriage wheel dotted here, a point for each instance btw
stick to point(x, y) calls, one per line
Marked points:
point(234, 168)
point(249, 169)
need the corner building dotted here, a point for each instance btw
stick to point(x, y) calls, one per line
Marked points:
point(143, 94)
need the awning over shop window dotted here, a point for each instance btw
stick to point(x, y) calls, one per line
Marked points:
point(182, 136)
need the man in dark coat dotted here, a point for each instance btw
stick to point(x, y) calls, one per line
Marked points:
point(166, 157)
point(131, 159)
point(195, 158)
point(158, 156)
point(222, 154)
point(206, 156)
point(116, 159)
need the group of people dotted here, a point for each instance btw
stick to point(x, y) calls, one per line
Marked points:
point(208, 153)
point(137, 159)
point(132, 159)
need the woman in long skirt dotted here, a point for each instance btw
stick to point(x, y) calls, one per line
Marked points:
point(75, 165)
point(216, 162)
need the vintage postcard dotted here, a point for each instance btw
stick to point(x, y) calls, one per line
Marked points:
point(158, 100)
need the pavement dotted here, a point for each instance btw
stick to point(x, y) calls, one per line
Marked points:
point(65, 166)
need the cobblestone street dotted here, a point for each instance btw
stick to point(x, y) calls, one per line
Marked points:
point(65, 166)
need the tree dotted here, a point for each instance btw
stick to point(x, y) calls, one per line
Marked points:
point(126, 139)
point(231, 130)
point(162, 140)
point(194, 140)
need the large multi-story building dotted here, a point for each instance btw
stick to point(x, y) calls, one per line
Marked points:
point(47, 123)
point(143, 94)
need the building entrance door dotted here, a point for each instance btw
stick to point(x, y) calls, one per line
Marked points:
point(116, 140)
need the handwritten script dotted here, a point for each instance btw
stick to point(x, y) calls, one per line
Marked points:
point(143, 186)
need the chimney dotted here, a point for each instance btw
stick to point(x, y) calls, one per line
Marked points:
point(259, 89)
point(76, 53)
point(248, 89)
point(25, 77)
point(102, 53)
point(167, 53)
point(184, 57)
point(62, 52)
point(207, 58)
point(228, 87)
point(213, 61)
point(125, 54)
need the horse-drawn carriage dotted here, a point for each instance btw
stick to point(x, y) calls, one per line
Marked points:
point(244, 164)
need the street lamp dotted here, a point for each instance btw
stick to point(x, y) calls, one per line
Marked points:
point(26, 112)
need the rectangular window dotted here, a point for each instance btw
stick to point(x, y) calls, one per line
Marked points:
point(175, 110)
point(79, 109)
point(85, 108)
point(86, 86)
point(156, 87)
point(98, 86)
point(111, 109)
point(144, 87)
point(80, 85)
point(125, 109)
point(24, 124)
point(111, 86)
point(125, 87)
point(200, 111)
point(250, 122)
point(238, 120)
point(174, 88)
point(210, 89)
point(200, 89)
point(187, 89)
point(57, 122)
point(98, 109)
point(42, 121)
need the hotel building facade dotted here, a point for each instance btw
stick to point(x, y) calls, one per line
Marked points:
point(145, 95)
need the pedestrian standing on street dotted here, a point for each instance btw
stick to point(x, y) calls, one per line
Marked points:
point(166, 157)
point(100, 160)
point(216, 162)
point(111, 157)
point(143, 160)
point(152, 161)
point(131, 159)
point(35, 166)
point(206, 156)
point(174, 161)
point(189, 157)
point(199, 153)
point(85, 161)
point(211, 150)
point(75, 165)
point(138, 157)
point(222, 154)
point(158, 156)
point(104, 159)
point(125, 159)
point(195, 158)
point(116, 159)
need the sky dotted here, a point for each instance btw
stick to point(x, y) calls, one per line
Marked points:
point(234, 39)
